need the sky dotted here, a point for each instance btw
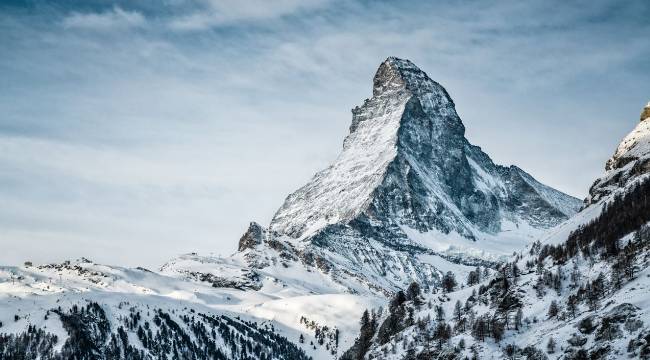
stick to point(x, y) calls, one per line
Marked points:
point(133, 131)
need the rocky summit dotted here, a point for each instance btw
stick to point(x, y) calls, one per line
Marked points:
point(630, 160)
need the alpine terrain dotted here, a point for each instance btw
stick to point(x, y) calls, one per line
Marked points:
point(438, 250)
point(580, 292)
point(407, 199)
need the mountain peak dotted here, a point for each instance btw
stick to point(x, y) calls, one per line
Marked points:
point(396, 74)
point(406, 162)
point(407, 112)
point(645, 113)
point(630, 160)
point(400, 63)
point(635, 145)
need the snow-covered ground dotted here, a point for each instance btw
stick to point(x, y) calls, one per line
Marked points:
point(28, 292)
point(537, 327)
point(492, 247)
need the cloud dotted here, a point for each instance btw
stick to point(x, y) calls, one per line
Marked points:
point(116, 18)
point(214, 13)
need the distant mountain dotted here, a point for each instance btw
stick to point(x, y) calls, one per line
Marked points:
point(579, 293)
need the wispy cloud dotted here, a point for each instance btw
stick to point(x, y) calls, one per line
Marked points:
point(115, 18)
point(212, 13)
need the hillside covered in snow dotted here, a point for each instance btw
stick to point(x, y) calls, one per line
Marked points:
point(580, 292)
point(80, 309)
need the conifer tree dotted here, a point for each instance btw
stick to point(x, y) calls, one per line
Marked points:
point(449, 282)
point(518, 319)
point(458, 311)
point(553, 309)
point(550, 346)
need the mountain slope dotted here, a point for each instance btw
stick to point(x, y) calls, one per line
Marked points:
point(94, 311)
point(579, 293)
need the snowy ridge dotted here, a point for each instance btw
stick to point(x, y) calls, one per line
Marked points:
point(629, 166)
point(341, 191)
point(557, 199)
point(630, 160)
point(636, 144)
point(620, 319)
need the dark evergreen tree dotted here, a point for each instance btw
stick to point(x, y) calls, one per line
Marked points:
point(572, 305)
point(551, 345)
point(473, 278)
point(553, 309)
point(440, 313)
point(442, 333)
point(480, 328)
point(519, 319)
point(497, 329)
point(449, 282)
point(458, 311)
point(413, 293)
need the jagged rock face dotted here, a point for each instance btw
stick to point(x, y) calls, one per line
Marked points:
point(634, 145)
point(253, 237)
point(406, 162)
point(645, 113)
point(630, 160)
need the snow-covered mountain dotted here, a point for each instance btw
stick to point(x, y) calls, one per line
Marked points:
point(581, 292)
point(408, 197)
point(630, 160)
point(406, 162)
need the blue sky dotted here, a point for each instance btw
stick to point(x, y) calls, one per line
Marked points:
point(134, 131)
